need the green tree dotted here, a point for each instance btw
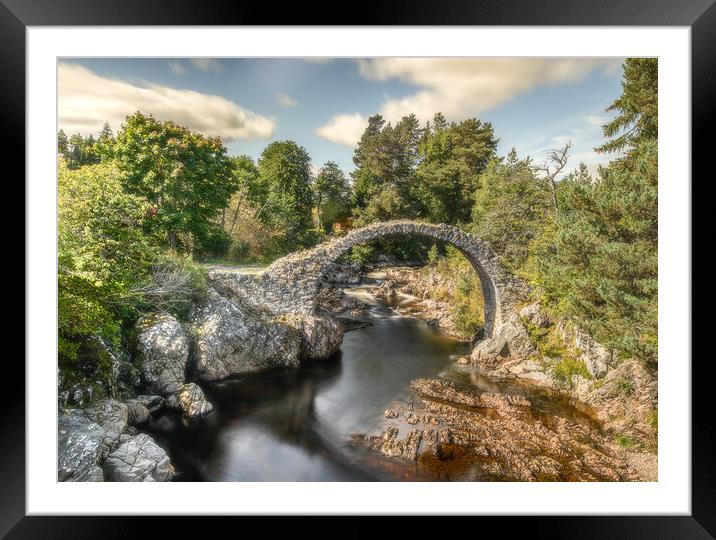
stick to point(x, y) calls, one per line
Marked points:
point(453, 157)
point(186, 177)
point(285, 178)
point(105, 142)
point(637, 107)
point(62, 142)
point(250, 191)
point(331, 195)
point(76, 148)
point(510, 208)
point(386, 158)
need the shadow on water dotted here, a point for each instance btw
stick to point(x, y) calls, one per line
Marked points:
point(263, 428)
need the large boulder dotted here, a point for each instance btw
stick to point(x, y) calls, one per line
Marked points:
point(509, 341)
point(165, 349)
point(112, 417)
point(79, 448)
point(138, 459)
point(230, 339)
point(190, 400)
point(321, 337)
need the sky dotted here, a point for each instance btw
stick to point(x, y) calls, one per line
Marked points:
point(533, 104)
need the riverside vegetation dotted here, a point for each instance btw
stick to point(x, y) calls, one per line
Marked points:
point(138, 213)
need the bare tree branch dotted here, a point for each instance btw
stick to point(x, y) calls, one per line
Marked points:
point(557, 161)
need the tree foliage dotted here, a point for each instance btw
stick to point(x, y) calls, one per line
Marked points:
point(186, 177)
point(638, 107)
point(103, 252)
point(285, 182)
point(510, 208)
point(452, 158)
point(332, 195)
point(598, 262)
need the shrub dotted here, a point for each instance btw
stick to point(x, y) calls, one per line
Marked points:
point(176, 283)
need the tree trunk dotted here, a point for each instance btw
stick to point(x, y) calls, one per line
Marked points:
point(553, 189)
point(172, 236)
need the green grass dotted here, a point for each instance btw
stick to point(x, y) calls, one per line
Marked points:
point(563, 362)
point(626, 386)
point(625, 441)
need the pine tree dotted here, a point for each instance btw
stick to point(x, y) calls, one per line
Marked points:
point(638, 107)
point(62, 143)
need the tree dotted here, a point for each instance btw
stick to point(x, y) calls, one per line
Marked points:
point(638, 107)
point(452, 159)
point(250, 190)
point(76, 156)
point(557, 161)
point(285, 179)
point(331, 194)
point(186, 177)
point(510, 208)
point(105, 142)
point(62, 143)
point(387, 157)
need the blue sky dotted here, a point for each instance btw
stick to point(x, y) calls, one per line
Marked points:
point(533, 104)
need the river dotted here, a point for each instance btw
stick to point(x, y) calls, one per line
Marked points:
point(293, 425)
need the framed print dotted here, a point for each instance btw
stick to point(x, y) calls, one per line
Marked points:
point(437, 262)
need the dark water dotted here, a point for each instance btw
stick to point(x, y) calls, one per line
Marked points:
point(293, 425)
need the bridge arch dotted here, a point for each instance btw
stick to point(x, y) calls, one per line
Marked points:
point(291, 283)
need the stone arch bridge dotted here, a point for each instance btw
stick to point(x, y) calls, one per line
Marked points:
point(290, 285)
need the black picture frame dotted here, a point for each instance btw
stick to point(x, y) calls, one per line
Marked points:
point(699, 15)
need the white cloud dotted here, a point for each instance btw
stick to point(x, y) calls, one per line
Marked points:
point(177, 68)
point(87, 100)
point(593, 120)
point(285, 100)
point(206, 64)
point(344, 129)
point(462, 87)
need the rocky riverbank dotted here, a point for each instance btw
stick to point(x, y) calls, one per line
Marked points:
point(451, 432)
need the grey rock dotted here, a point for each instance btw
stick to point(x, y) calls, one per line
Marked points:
point(137, 412)
point(321, 337)
point(79, 447)
point(139, 459)
point(232, 340)
point(153, 403)
point(112, 417)
point(511, 341)
point(164, 348)
point(192, 402)
point(595, 356)
point(533, 314)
